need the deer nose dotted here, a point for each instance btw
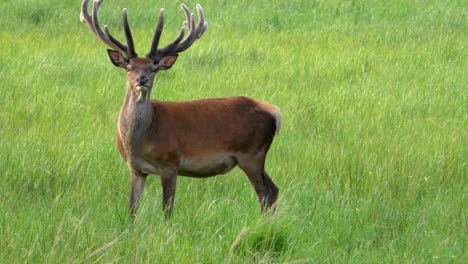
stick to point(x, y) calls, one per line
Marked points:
point(142, 80)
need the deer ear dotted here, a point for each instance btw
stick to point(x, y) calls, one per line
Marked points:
point(166, 62)
point(117, 59)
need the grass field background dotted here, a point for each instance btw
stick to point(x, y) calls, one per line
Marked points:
point(371, 161)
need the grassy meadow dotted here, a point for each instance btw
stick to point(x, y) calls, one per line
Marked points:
point(371, 161)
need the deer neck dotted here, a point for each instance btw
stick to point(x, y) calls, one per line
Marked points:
point(135, 118)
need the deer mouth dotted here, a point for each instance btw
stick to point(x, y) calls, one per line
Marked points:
point(143, 91)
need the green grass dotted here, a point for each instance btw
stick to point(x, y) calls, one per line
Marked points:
point(371, 161)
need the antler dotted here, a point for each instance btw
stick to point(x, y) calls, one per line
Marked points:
point(106, 36)
point(195, 32)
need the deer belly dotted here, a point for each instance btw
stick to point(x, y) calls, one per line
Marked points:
point(207, 167)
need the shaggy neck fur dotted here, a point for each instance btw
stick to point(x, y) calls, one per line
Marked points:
point(134, 119)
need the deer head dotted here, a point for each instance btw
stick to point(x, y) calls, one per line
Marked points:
point(142, 70)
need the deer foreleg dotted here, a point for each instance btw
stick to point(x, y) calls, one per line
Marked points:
point(138, 184)
point(168, 183)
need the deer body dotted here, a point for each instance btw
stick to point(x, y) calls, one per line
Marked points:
point(235, 126)
point(199, 138)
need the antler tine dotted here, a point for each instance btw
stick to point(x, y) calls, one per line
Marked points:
point(98, 30)
point(93, 23)
point(190, 23)
point(173, 47)
point(128, 36)
point(155, 53)
point(198, 30)
point(157, 34)
point(188, 15)
point(84, 16)
point(121, 47)
point(202, 25)
point(167, 49)
point(191, 36)
point(195, 32)
point(114, 40)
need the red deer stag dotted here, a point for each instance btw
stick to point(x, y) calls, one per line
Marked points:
point(198, 138)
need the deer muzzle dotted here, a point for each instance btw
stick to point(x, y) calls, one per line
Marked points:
point(142, 89)
point(143, 92)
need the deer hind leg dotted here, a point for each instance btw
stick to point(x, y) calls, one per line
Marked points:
point(273, 190)
point(267, 191)
point(138, 184)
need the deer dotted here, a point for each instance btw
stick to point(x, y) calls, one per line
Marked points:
point(199, 138)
